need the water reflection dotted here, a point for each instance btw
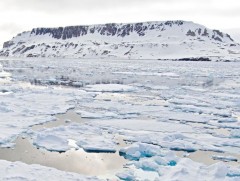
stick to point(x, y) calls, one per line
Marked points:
point(62, 119)
point(93, 164)
point(205, 157)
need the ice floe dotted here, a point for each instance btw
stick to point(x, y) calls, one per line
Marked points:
point(88, 137)
point(17, 171)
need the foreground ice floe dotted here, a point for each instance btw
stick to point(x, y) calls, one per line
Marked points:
point(17, 171)
point(154, 163)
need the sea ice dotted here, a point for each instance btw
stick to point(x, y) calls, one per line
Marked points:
point(18, 171)
point(90, 138)
point(235, 133)
point(109, 88)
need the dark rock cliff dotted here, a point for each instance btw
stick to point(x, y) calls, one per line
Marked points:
point(112, 29)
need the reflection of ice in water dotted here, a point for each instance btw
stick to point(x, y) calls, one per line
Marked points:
point(78, 161)
point(61, 119)
point(103, 165)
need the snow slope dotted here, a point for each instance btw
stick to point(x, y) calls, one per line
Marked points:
point(148, 40)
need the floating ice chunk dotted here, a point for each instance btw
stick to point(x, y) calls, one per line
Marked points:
point(127, 175)
point(51, 142)
point(97, 144)
point(96, 115)
point(178, 142)
point(152, 164)
point(109, 88)
point(88, 137)
point(139, 150)
point(161, 160)
point(90, 115)
point(170, 158)
point(235, 133)
point(225, 158)
point(147, 165)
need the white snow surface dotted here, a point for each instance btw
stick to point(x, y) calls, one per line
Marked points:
point(17, 171)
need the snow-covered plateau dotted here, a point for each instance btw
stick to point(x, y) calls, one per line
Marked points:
point(159, 120)
point(177, 40)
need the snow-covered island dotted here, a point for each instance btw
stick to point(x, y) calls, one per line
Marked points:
point(177, 40)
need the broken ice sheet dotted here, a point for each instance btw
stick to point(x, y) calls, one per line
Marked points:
point(91, 139)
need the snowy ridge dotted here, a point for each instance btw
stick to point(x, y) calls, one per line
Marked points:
point(148, 40)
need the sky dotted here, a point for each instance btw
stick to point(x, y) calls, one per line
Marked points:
point(17, 16)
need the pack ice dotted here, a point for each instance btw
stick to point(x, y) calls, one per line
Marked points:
point(155, 114)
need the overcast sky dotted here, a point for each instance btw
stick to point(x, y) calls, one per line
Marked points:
point(23, 15)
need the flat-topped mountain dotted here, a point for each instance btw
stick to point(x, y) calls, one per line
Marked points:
point(148, 40)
